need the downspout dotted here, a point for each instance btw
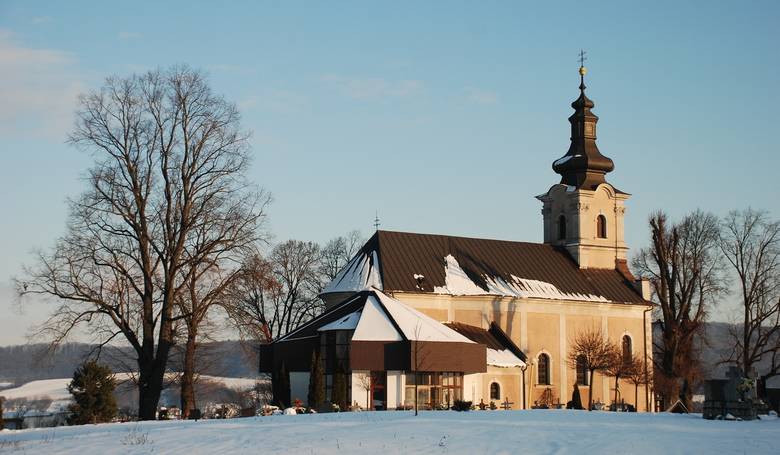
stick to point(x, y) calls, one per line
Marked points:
point(523, 368)
point(616, 229)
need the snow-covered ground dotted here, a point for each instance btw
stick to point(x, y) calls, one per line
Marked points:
point(475, 432)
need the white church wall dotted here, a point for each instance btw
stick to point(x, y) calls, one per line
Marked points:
point(395, 388)
point(472, 388)
point(359, 392)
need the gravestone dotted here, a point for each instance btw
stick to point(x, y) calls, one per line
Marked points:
point(731, 398)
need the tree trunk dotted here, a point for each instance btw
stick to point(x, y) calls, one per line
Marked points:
point(148, 395)
point(188, 376)
point(686, 393)
point(152, 374)
point(415, 393)
point(636, 397)
point(590, 392)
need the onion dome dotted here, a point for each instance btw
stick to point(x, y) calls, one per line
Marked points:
point(583, 166)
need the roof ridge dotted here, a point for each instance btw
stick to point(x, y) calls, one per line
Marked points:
point(389, 315)
point(449, 236)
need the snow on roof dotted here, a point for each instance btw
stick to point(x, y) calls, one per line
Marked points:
point(503, 358)
point(348, 322)
point(457, 282)
point(374, 325)
point(417, 326)
point(564, 159)
point(362, 272)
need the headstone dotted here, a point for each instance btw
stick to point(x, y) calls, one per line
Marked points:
point(733, 397)
point(735, 377)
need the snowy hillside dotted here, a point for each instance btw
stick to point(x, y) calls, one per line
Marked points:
point(57, 389)
point(400, 432)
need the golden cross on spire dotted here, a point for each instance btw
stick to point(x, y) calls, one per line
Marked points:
point(583, 70)
point(582, 58)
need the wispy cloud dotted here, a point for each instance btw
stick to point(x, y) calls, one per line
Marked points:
point(230, 68)
point(39, 89)
point(124, 36)
point(480, 96)
point(41, 20)
point(276, 100)
point(372, 88)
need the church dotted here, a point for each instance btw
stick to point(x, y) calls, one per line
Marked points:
point(442, 318)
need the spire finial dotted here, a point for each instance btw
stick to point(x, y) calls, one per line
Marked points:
point(376, 220)
point(583, 70)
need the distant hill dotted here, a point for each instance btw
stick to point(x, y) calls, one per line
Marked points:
point(23, 363)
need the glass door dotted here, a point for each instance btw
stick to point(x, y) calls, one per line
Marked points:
point(378, 390)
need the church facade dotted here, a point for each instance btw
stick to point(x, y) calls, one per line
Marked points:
point(486, 320)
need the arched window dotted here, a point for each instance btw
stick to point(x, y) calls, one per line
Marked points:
point(601, 227)
point(543, 375)
point(561, 227)
point(495, 391)
point(582, 370)
point(627, 349)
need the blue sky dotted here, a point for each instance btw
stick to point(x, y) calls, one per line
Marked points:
point(443, 116)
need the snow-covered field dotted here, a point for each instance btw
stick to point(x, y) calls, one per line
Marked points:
point(57, 389)
point(475, 432)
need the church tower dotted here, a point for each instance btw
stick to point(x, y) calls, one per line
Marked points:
point(584, 213)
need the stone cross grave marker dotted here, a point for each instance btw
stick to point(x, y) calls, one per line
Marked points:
point(507, 405)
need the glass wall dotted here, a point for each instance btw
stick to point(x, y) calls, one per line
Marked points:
point(434, 390)
point(334, 350)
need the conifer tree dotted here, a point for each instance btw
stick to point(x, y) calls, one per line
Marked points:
point(92, 388)
point(339, 394)
point(281, 385)
point(316, 384)
point(576, 400)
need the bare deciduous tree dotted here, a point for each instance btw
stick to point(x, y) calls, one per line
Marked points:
point(419, 356)
point(364, 381)
point(751, 244)
point(685, 267)
point(167, 153)
point(637, 377)
point(338, 252)
point(619, 368)
point(276, 295)
point(595, 351)
point(227, 232)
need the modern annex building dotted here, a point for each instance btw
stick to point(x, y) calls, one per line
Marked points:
point(484, 320)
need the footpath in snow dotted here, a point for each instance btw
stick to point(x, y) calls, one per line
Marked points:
point(476, 432)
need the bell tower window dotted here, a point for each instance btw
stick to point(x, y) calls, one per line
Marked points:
point(561, 227)
point(601, 227)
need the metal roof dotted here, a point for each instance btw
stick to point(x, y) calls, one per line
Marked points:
point(403, 257)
